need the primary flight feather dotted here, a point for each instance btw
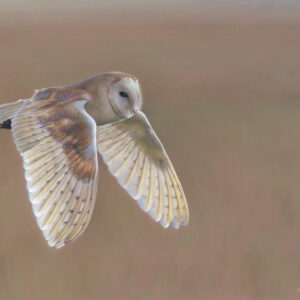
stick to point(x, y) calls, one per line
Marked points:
point(58, 133)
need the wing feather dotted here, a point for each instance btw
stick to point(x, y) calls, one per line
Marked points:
point(135, 156)
point(152, 185)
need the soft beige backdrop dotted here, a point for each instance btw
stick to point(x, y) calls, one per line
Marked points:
point(223, 95)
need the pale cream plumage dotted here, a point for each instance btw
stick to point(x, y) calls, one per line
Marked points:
point(57, 133)
point(137, 159)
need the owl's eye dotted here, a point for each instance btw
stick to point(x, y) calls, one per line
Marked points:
point(123, 94)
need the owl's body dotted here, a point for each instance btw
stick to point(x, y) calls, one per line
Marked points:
point(59, 131)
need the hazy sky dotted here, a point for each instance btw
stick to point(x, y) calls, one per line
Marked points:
point(180, 9)
point(186, 4)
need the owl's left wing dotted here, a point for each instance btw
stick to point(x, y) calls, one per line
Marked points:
point(136, 157)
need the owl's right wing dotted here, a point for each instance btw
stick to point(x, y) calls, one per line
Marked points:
point(136, 157)
point(58, 145)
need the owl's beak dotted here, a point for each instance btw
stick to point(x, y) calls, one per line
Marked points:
point(134, 110)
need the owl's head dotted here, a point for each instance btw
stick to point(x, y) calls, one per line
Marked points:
point(125, 96)
point(115, 96)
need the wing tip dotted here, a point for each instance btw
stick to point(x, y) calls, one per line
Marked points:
point(58, 245)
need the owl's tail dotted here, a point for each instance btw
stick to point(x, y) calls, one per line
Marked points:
point(8, 111)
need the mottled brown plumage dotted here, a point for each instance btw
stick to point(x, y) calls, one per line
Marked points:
point(67, 126)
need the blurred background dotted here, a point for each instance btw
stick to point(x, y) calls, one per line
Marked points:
point(221, 86)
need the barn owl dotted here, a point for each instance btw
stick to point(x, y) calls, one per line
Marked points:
point(58, 133)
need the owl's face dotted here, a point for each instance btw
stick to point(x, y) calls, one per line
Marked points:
point(114, 96)
point(125, 97)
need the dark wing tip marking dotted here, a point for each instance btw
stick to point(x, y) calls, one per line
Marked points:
point(6, 124)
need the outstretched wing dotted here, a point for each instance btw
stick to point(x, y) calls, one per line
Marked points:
point(58, 146)
point(136, 157)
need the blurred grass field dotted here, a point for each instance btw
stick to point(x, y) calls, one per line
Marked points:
point(224, 99)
